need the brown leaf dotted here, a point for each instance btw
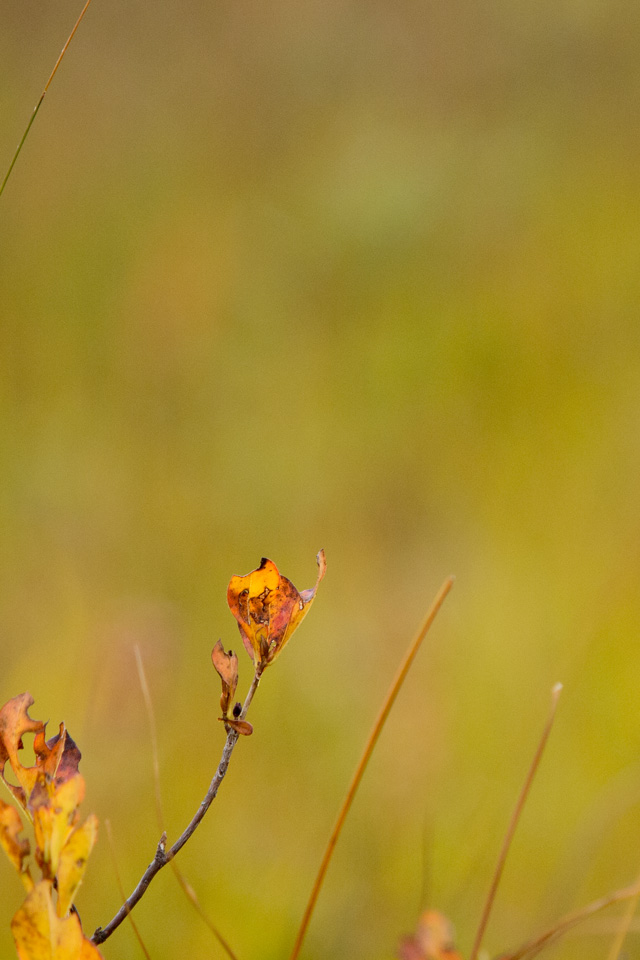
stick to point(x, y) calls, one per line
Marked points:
point(268, 608)
point(17, 850)
point(56, 759)
point(40, 934)
point(14, 723)
point(227, 666)
point(242, 727)
point(66, 759)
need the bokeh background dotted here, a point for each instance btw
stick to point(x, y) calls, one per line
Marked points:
point(360, 276)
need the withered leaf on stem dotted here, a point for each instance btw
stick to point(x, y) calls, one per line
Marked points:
point(57, 759)
point(227, 666)
point(268, 608)
point(14, 723)
point(243, 727)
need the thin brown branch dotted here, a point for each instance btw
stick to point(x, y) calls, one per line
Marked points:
point(42, 96)
point(534, 946)
point(121, 888)
point(184, 884)
point(513, 823)
point(364, 759)
point(162, 855)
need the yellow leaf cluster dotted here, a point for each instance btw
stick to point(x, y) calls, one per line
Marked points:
point(49, 793)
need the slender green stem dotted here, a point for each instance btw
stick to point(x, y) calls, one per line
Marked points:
point(42, 96)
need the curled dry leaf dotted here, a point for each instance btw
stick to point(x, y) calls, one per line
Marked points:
point(56, 759)
point(268, 609)
point(227, 666)
point(40, 934)
point(14, 723)
point(17, 849)
point(433, 939)
point(243, 727)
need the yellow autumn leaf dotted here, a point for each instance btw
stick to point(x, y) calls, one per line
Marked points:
point(40, 934)
point(55, 813)
point(268, 608)
point(72, 862)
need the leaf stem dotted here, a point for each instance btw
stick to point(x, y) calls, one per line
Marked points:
point(163, 856)
point(366, 756)
point(515, 817)
point(42, 96)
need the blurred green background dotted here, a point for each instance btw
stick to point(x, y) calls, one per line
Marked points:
point(360, 276)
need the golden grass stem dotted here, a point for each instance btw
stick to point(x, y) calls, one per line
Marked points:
point(625, 924)
point(123, 895)
point(513, 823)
point(42, 96)
point(533, 947)
point(366, 756)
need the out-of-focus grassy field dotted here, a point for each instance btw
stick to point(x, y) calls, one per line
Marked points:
point(360, 276)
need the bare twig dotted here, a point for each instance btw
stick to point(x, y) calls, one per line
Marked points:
point(364, 760)
point(42, 96)
point(185, 886)
point(163, 856)
point(515, 817)
point(533, 947)
point(121, 888)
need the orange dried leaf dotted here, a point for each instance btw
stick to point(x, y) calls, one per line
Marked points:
point(56, 759)
point(268, 608)
point(227, 666)
point(72, 862)
point(40, 934)
point(242, 727)
point(433, 939)
point(17, 850)
point(59, 756)
point(14, 723)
